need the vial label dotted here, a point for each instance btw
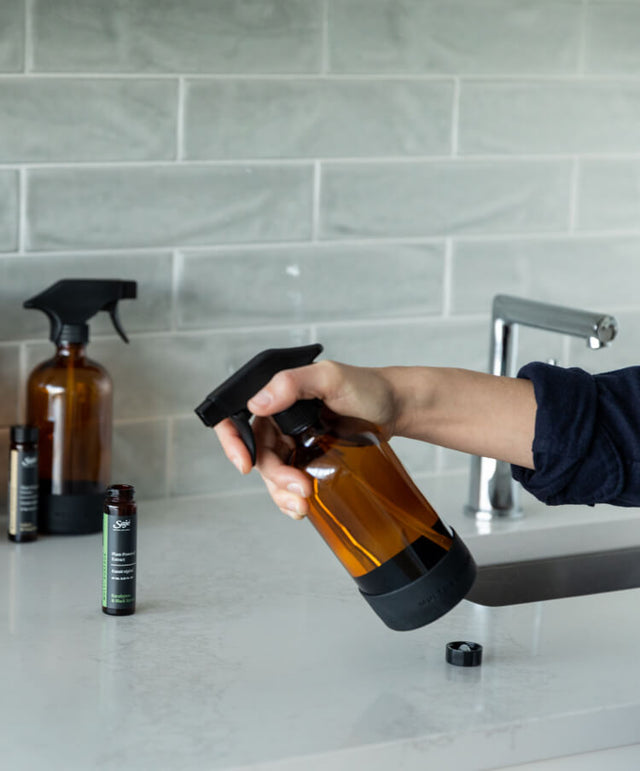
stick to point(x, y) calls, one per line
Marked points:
point(119, 562)
point(23, 492)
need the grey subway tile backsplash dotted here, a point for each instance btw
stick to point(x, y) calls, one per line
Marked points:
point(185, 36)
point(436, 36)
point(436, 198)
point(159, 375)
point(200, 466)
point(611, 38)
point(609, 195)
point(67, 119)
point(558, 270)
point(23, 277)
point(110, 207)
point(12, 35)
point(317, 118)
point(8, 211)
point(592, 116)
point(309, 284)
point(437, 343)
point(148, 439)
point(9, 384)
point(367, 174)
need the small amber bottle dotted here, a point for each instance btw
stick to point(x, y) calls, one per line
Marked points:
point(23, 484)
point(119, 552)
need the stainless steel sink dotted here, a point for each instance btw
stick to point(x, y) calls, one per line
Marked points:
point(512, 583)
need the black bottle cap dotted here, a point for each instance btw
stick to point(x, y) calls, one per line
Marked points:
point(463, 653)
point(24, 433)
point(432, 595)
point(299, 416)
point(71, 302)
point(120, 493)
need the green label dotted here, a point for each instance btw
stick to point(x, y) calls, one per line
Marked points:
point(118, 561)
point(105, 561)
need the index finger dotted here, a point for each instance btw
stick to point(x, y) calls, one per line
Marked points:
point(233, 446)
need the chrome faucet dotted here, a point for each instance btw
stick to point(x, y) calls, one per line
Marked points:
point(492, 491)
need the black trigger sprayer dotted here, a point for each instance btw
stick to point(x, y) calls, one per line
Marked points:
point(69, 399)
point(408, 565)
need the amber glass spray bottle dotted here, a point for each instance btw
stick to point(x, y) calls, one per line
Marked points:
point(69, 398)
point(408, 565)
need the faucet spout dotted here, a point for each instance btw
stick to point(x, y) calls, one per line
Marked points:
point(492, 491)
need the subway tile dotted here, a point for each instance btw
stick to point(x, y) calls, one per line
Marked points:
point(188, 36)
point(69, 119)
point(444, 197)
point(123, 207)
point(437, 343)
point(8, 211)
point(12, 35)
point(609, 194)
point(140, 457)
point(611, 37)
point(591, 116)
point(488, 36)
point(160, 375)
point(317, 118)
point(417, 457)
point(9, 384)
point(309, 284)
point(564, 271)
point(199, 465)
point(24, 277)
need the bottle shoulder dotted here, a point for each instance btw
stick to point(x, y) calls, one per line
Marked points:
point(62, 364)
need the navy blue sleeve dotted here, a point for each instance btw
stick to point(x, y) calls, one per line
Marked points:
point(586, 447)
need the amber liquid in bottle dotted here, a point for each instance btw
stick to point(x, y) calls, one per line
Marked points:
point(69, 398)
point(366, 506)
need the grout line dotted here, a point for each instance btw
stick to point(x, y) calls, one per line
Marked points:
point(370, 160)
point(522, 77)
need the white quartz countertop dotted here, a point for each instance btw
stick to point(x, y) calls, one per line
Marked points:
point(251, 648)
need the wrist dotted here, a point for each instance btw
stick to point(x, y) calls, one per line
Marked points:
point(412, 393)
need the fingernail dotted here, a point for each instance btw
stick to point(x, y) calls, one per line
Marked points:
point(294, 506)
point(295, 488)
point(262, 399)
point(237, 463)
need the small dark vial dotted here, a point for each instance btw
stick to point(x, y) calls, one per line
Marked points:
point(23, 484)
point(119, 531)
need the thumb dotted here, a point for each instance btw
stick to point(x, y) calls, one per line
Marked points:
point(314, 381)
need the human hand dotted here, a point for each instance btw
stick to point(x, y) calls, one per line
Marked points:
point(357, 392)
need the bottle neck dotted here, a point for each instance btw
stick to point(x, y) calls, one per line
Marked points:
point(71, 351)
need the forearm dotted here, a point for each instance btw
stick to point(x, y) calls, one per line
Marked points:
point(464, 410)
